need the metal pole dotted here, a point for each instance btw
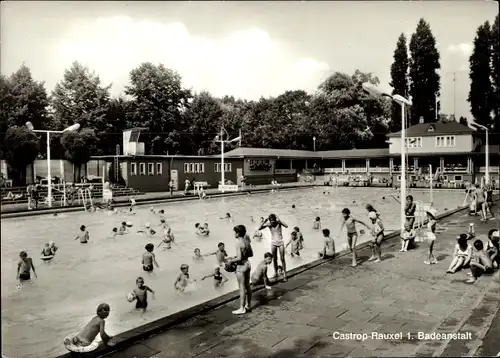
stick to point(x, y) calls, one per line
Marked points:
point(454, 95)
point(314, 144)
point(430, 176)
point(487, 179)
point(403, 166)
point(436, 105)
point(222, 158)
point(239, 142)
point(49, 177)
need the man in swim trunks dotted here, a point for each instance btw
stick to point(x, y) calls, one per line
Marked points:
point(148, 258)
point(274, 224)
point(24, 267)
point(410, 209)
point(481, 201)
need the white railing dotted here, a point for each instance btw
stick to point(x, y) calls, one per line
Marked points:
point(356, 170)
point(379, 170)
point(493, 169)
point(332, 170)
point(285, 171)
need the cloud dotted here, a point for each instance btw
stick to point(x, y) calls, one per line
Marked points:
point(463, 49)
point(247, 63)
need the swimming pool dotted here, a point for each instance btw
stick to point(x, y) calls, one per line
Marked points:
point(62, 300)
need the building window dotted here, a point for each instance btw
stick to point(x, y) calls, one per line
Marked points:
point(151, 169)
point(133, 168)
point(159, 168)
point(458, 178)
point(142, 168)
point(414, 142)
point(194, 168)
point(227, 167)
point(445, 141)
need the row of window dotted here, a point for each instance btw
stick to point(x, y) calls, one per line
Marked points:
point(188, 168)
point(200, 167)
point(441, 142)
point(142, 169)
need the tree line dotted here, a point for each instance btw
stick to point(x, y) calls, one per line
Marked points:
point(176, 120)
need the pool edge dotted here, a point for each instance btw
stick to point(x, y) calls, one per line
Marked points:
point(140, 333)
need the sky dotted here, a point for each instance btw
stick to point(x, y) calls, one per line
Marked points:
point(244, 49)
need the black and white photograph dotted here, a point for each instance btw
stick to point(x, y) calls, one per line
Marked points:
point(239, 179)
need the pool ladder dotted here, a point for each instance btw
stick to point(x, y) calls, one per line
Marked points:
point(83, 195)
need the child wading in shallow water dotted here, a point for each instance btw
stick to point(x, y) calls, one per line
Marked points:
point(352, 234)
point(219, 278)
point(24, 267)
point(431, 236)
point(148, 258)
point(141, 294)
point(93, 328)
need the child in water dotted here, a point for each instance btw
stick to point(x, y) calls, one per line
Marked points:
point(219, 278)
point(94, 327)
point(200, 230)
point(197, 255)
point(24, 267)
point(317, 223)
point(168, 239)
point(83, 235)
point(182, 279)
point(163, 224)
point(226, 217)
point(149, 231)
point(328, 247)
point(300, 237)
point(259, 276)
point(123, 229)
point(141, 294)
point(294, 243)
point(206, 229)
point(220, 254)
point(148, 258)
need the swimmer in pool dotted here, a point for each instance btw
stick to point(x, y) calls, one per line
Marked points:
point(93, 328)
point(200, 230)
point(206, 229)
point(141, 294)
point(24, 267)
point(220, 254)
point(294, 244)
point(149, 232)
point(148, 258)
point(83, 235)
point(317, 223)
point(49, 249)
point(163, 224)
point(182, 279)
point(168, 239)
point(197, 255)
point(300, 237)
point(114, 232)
point(226, 217)
point(123, 229)
point(219, 278)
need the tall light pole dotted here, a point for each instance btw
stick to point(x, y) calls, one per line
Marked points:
point(220, 138)
point(402, 101)
point(487, 152)
point(72, 128)
point(314, 143)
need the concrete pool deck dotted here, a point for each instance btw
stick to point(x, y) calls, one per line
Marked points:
point(297, 318)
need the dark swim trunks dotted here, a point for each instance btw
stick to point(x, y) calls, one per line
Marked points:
point(141, 304)
point(147, 268)
point(25, 276)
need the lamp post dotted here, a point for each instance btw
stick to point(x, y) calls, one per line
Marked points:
point(402, 101)
point(220, 138)
point(314, 143)
point(487, 153)
point(72, 128)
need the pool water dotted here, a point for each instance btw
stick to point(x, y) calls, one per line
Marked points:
point(64, 298)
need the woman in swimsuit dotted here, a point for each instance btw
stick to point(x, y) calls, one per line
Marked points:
point(461, 255)
point(243, 253)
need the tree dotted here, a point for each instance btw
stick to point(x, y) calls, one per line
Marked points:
point(399, 80)
point(159, 101)
point(424, 80)
point(481, 91)
point(463, 120)
point(80, 98)
point(21, 149)
point(117, 120)
point(22, 100)
point(495, 73)
point(78, 147)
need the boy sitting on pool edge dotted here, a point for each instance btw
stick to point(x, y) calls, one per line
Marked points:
point(95, 326)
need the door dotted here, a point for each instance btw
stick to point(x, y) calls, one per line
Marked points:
point(239, 174)
point(174, 177)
